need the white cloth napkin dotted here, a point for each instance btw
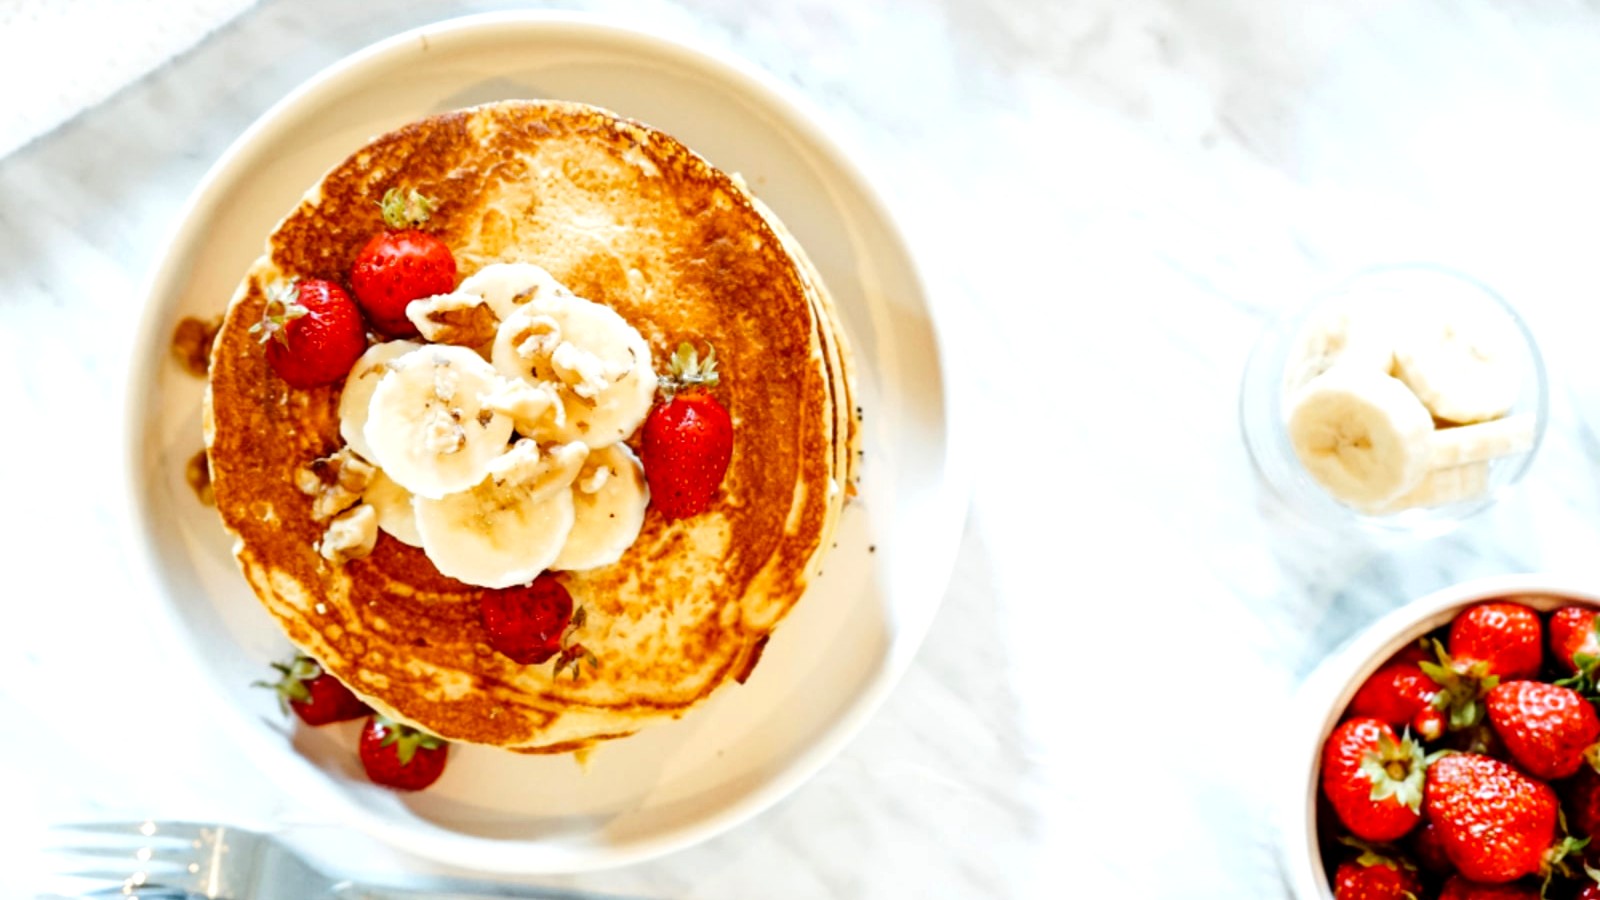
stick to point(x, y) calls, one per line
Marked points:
point(60, 57)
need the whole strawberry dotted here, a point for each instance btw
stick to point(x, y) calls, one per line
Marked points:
point(313, 333)
point(1545, 727)
point(401, 264)
point(1495, 823)
point(1575, 643)
point(526, 623)
point(1428, 851)
point(1458, 888)
point(401, 757)
point(1591, 891)
point(1581, 800)
point(1373, 779)
point(1394, 695)
point(312, 694)
point(1375, 876)
point(687, 441)
point(1507, 637)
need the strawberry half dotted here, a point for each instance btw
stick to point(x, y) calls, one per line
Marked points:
point(400, 757)
point(313, 333)
point(687, 441)
point(1546, 728)
point(312, 694)
point(1373, 779)
point(402, 264)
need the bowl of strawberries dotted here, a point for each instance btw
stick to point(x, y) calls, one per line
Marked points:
point(1452, 750)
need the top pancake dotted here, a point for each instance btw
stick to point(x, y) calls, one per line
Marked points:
point(626, 216)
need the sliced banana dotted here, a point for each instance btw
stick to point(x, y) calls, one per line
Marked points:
point(427, 426)
point(1351, 332)
point(598, 364)
point(1463, 444)
point(1441, 487)
point(1362, 435)
point(358, 387)
point(1462, 365)
point(511, 526)
point(610, 497)
point(396, 514)
point(505, 286)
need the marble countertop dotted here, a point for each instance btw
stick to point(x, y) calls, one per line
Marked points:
point(1124, 192)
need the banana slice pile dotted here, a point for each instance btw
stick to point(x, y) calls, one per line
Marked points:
point(505, 459)
point(1394, 405)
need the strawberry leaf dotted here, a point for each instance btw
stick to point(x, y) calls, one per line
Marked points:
point(405, 210)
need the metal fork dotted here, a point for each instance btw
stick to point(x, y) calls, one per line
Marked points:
point(189, 861)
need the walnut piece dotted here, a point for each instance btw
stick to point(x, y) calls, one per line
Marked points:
point(335, 482)
point(460, 318)
point(351, 535)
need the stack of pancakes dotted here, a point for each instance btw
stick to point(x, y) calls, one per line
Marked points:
point(626, 216)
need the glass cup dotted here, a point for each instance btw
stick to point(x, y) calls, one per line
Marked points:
point(1416, 313)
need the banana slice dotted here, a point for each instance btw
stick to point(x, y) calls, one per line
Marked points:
point(1352, 332)
point(1462, 365)
point(1362, 435)
point(1482, 442)
point(509, 527)
point(505, 286)
point(610, 497)
point(396, 514)
point(599, 365)
point(358, 386)
point(1440, 487)
point(427, 426)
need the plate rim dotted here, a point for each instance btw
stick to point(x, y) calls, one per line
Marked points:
point(950, 501)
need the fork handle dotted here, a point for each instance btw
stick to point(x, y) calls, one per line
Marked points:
point(447, 890)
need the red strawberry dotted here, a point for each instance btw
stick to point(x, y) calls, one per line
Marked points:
point(1507, 637)
point(1495, 823)
point(1429, 852)
point(1458, 888)
point(313, 333)
point(1582, 796)
point(1394, 695)
point(315, 696)
point(1373, 779)
point(526, 623)
point(1590, 891)
point(1374, 877)
point(1575, 643)
point(1545, 727)
point(400, 265)
point(400, 757)
point(688, 440)
point(1429, 723)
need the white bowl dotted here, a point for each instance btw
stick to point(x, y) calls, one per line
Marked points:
point(1322, 699)
point(678, 782)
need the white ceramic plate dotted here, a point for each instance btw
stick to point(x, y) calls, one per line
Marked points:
point(834, 658)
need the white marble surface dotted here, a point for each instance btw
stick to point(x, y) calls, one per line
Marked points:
point(1122, 192)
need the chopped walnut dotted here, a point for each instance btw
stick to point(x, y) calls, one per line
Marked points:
point(530, 406)
point(459, 318)
point(191, 343)
point(351, 535)
point(591, 482)
point(336, 482)
point(582, 371)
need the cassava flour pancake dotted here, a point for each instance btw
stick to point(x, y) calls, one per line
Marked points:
point(624, 216)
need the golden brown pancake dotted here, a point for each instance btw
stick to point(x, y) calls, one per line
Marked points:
point(626, 216)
